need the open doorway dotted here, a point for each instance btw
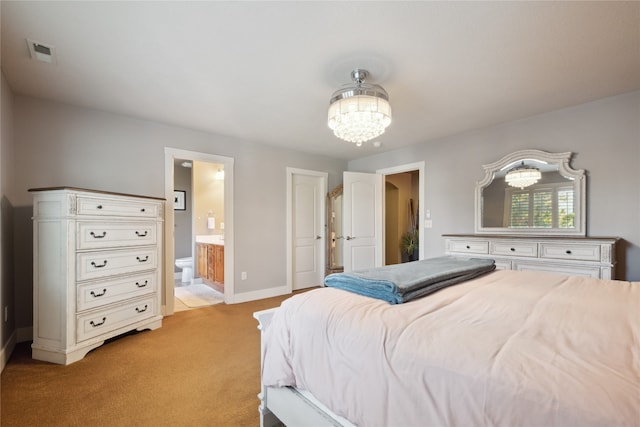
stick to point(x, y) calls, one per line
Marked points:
point(199, 225)
point(403, 212)
point(208, 218)
point(401, 217)
point(365, 216)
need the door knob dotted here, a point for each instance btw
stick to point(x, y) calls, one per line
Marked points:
point(318, 237)
point(349, 238)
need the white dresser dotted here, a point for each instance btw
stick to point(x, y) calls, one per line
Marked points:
point(97, 268)
point(576, 256)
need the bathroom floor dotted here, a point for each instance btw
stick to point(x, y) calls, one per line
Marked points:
point(179, 305)
point(210, 294)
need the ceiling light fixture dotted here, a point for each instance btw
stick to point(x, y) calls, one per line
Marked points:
point(219, 175)
point(359, 112)
point(522, 176)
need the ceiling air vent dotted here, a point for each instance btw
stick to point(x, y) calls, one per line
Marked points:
point(41, 51)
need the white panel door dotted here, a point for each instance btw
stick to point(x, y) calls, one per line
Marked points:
point(307, 231)
point(362, 228)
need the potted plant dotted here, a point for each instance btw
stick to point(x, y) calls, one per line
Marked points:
point(409, 245)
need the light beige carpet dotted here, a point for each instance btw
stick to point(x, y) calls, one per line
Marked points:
point(198, 295)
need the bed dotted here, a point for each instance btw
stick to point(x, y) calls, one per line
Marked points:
point(507, 348)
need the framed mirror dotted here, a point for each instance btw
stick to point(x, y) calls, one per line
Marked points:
point(335, 239)
point(532, 192)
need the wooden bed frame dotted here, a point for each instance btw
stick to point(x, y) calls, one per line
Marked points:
point(286, 405)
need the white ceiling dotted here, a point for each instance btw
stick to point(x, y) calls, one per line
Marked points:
point(264, 71)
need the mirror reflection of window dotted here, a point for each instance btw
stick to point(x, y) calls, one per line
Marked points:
point(540, 207)
point(547, 204)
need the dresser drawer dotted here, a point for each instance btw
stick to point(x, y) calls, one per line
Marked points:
point(96, 235)
point(117, 207)
point(582, 252)
point(98, 294)
point(503, 264)
point(469, 246)
point(93, 265)
point(99, 322)
point(511, 248)
point(559, 268)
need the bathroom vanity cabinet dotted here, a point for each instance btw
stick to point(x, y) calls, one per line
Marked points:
point(97, 269)
point(210, 261)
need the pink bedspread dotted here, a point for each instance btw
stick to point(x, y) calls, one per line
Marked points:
point(509, 348)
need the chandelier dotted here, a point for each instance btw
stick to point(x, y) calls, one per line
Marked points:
point(522, 176)
point(360, 112)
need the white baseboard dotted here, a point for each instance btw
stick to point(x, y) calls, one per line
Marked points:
point(7, 349)
point(261, 294)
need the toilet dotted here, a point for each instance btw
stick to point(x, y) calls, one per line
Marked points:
point(186, 265)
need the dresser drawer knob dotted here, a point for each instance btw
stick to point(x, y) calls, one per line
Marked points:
point(468, 247)
point(99, 265)
point(143, 210)
point(139, 234)
point(142, 310)
point(95, 236)
point(99, 206)
point(95, 325)
point(512, 249)
point(143, 260)
point(104, 291)
point(142, 285)
point(568, 252)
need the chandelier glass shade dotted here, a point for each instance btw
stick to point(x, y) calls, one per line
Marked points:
point(522, 176)
point(360, 112)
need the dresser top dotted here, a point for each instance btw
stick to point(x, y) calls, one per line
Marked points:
point(528, 236)
point(92, 191)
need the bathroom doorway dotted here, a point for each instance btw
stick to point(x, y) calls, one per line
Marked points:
point(203, 207)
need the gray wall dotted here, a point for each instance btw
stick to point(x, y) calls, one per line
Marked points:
point(6, 217)
point(604, 135)
point(60, 145)
point(183, 225)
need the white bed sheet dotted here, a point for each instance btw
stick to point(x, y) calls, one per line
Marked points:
point(509, 348)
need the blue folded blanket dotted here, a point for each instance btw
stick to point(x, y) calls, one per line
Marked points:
point(400, 283)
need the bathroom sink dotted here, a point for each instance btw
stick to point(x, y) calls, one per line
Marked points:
point(211, 239)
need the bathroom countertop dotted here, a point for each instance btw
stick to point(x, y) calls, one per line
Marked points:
point(213, 239)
